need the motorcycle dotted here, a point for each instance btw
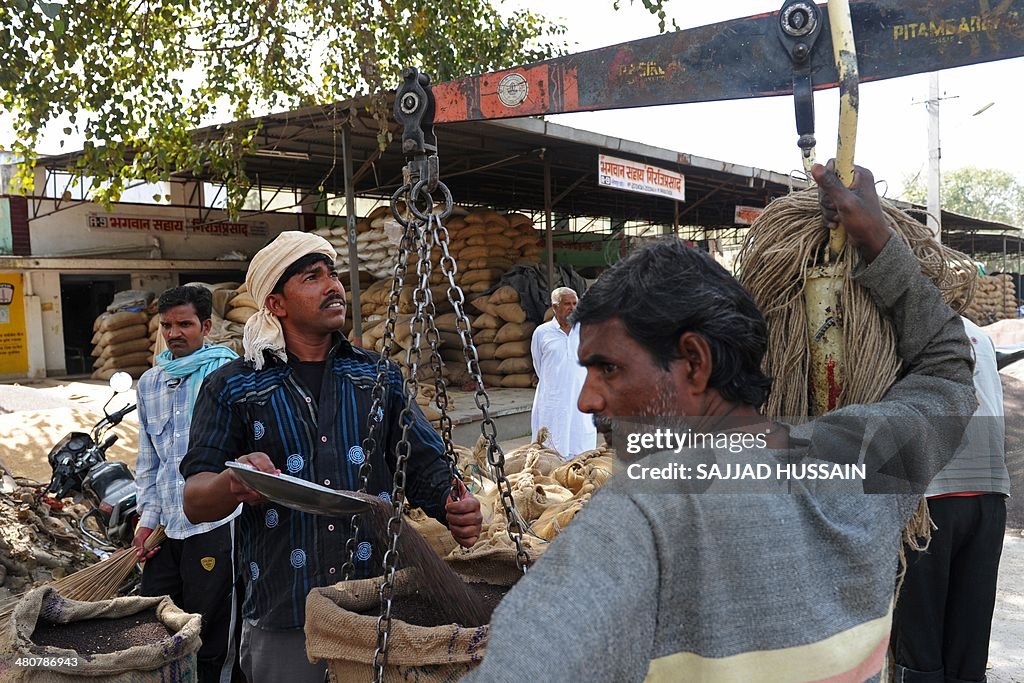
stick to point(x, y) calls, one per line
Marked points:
point(80, 467)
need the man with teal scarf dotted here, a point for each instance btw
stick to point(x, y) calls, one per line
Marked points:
point(194, 565)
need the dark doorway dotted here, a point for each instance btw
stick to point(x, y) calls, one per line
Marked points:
point(83, 298)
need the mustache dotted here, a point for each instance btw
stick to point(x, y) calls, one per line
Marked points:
point(331, 299)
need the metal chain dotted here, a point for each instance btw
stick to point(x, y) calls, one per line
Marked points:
point(371, 448)
point(423, 235)
point(495, 456)
point(441, 400)
point(417, 326)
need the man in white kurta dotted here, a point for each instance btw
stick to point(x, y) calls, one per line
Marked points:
point(554, 349)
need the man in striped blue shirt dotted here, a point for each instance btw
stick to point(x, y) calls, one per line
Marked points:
point(194, 564)
point(300, 403)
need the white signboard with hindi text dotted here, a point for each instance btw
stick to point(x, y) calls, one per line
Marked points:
point(635, 176)
point(194, 226)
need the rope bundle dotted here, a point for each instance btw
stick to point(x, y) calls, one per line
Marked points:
point(784, 242)
point(780, 248)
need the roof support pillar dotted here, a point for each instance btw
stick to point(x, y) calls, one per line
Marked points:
point(549, 235)
point(350, 216)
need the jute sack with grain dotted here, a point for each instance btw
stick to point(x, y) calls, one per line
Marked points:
point(512, 313)
point(491, 380)
point(240, 314)
point(514, 349)
point(168, 660)
point(123, 334)
point(504, 295)
point(490, 367)
point(486, 321)
point(485, 336)
point(510, 332)
point(242, 299)
point(347, 640)
point(486, 351)
point(523, 381)
point(447, 322)
point(516, 366)
point(128, 360)
point(127, 347)
point(115, 321)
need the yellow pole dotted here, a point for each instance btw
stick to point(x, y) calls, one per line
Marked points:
point(824, 283)
point(845, 52)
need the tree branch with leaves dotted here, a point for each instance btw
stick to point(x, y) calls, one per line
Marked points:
point(137, 76)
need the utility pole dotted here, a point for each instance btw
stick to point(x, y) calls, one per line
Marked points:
point(934, 157)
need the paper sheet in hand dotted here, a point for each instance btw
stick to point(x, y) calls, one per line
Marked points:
point(302, 495)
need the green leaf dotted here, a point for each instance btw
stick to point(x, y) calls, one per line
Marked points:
point(50, 9)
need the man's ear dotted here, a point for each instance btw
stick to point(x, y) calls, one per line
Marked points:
point(207, 326)
point(695, 355)
point(275, 304)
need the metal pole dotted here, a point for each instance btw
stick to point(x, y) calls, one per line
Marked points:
point(350, 215)
point(550, 227)
point(934, 155)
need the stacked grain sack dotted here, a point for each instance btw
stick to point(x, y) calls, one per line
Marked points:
point(526, 240)
point(994, 299)
point(121, 336)
point(225, 328)
point(503, 340)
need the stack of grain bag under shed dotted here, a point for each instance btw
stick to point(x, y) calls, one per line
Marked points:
point(503, 340)
point(994, 299)
point(121, 343)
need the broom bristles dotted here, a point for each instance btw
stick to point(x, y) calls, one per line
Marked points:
point(97, 582)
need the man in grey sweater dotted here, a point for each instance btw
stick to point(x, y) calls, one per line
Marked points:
point(664, 582)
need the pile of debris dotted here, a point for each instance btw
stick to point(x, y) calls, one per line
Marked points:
point(38, 543)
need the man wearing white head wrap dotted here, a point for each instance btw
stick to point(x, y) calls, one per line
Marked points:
point(263, 331)
point(300, 401)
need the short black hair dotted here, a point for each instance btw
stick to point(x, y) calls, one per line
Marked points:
point(200, 297)
point(665, 289)
point(299, 266)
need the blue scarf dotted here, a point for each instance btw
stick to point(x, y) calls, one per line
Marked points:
point(195, 367)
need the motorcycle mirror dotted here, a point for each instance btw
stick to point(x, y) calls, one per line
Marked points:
point(121, 381)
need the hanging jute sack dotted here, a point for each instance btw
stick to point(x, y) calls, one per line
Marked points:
point(166, 660)
point(341, 626)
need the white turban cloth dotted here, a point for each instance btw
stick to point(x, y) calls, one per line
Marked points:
point(263, 330)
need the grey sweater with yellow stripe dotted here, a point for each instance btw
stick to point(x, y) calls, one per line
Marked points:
point(684, 586)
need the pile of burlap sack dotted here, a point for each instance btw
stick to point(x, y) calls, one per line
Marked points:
point(486, 244)
point(375, 251)
point(503, 336)
point(548, 491)
point(129, 340)
point(994, 299)
point(121, 337)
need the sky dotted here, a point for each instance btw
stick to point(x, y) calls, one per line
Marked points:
point(892, 135)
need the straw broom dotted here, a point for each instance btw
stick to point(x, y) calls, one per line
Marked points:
point(97, 582)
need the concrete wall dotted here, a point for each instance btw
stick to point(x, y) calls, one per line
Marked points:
point(75, 230)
